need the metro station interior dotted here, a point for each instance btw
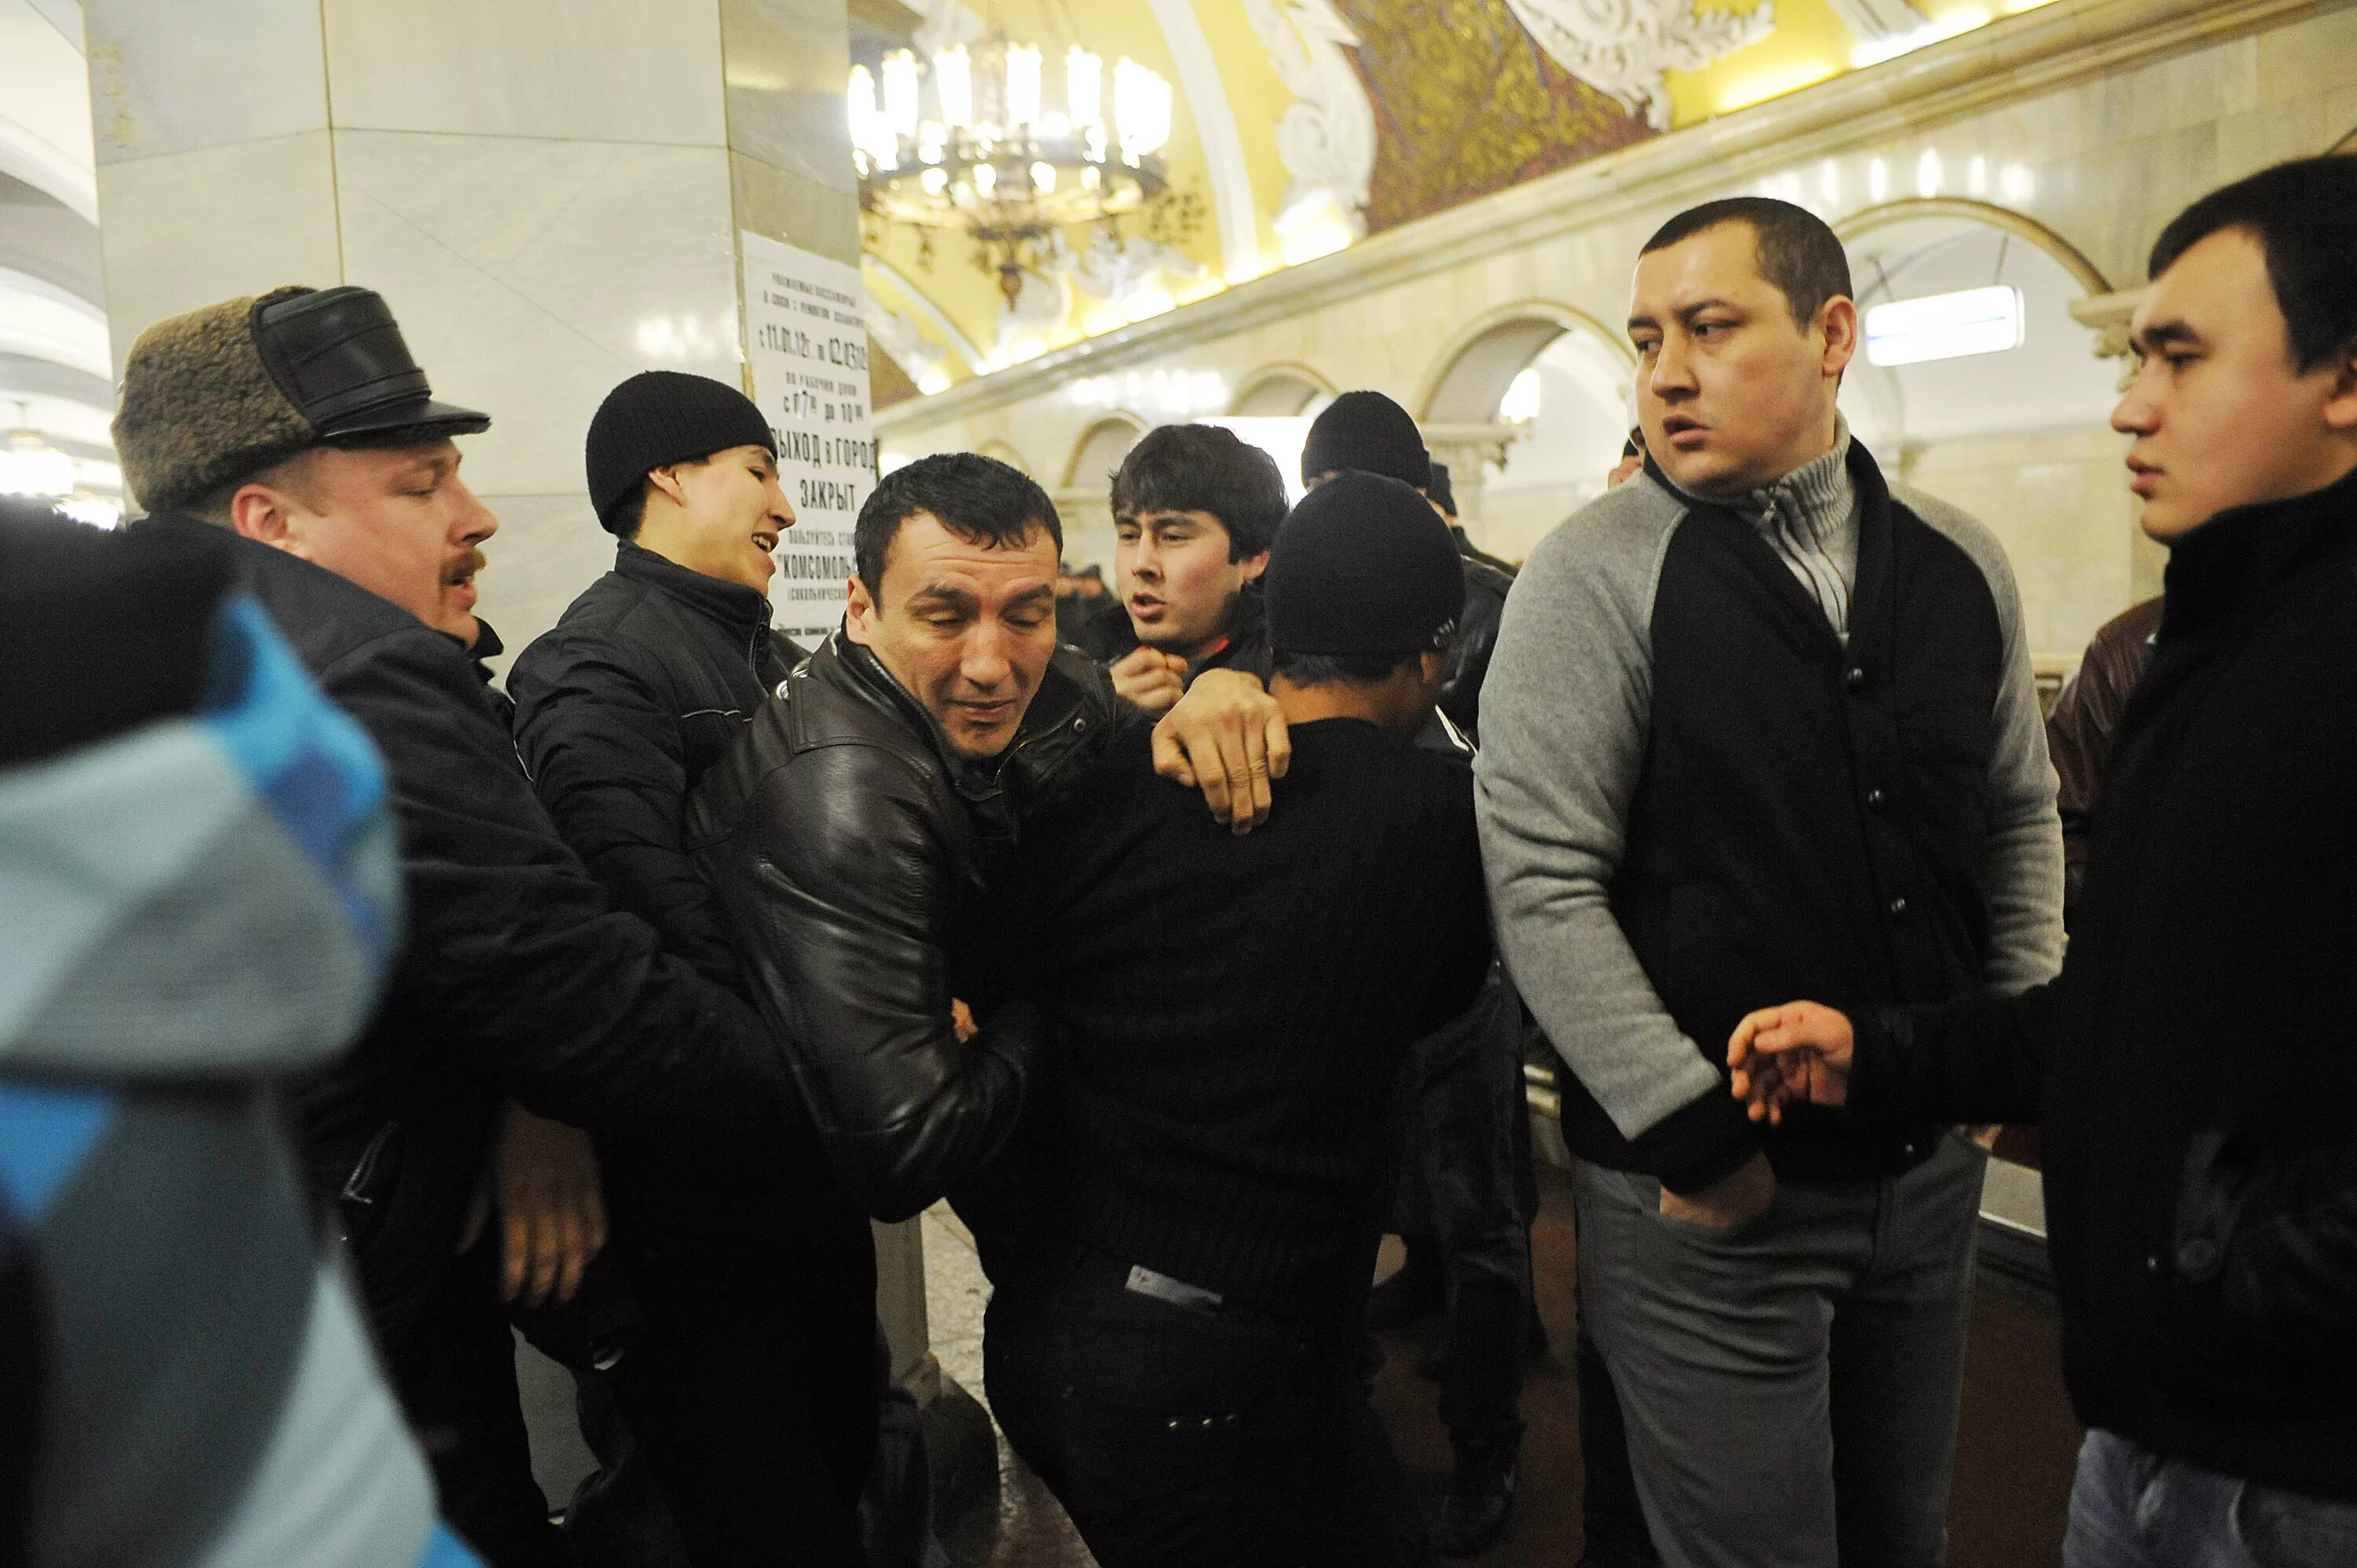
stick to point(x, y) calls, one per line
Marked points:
point(1439, 199)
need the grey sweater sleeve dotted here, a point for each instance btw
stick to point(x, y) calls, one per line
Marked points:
point(1564, 714)
point(2024, 879)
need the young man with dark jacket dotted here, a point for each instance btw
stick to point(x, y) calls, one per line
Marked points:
point(851, 832)
point(1206, 1174)
point(1194, 511)
point(1758, 722)
point(2190, 1070)
point(298, 422)
point(758, 1361)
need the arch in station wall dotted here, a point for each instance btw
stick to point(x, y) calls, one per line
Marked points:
point(2018, 436)
point(1281, 390)
point(1101, 448)
point(1860, 225)
point(1004, 454)
point(1472, 374)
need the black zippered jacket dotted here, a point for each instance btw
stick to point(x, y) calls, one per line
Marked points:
point(650, 675)
point(517, 976)
point(850, 847)
point(2194, 1067)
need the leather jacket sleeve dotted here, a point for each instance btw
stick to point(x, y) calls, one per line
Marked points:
point(604, 753)
point(840, 890)
point(2086, 717)
point(513, 960)
point(1467, 662)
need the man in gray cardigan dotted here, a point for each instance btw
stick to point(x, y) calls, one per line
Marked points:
point(1756, 717)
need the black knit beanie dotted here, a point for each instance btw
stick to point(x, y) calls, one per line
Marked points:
point(1366, 430)
point(659, 417)
point(1363, 566)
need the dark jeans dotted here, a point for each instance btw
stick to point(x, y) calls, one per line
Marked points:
point(1466, 1187)
point(1185, 1438)
point(2132, 1509)
point(451, 1359)
point(752, 1396)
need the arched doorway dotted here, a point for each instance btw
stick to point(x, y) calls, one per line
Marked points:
point(1277, 391)
point(2018, 436)
point(1529, 408)
point(1085, 500)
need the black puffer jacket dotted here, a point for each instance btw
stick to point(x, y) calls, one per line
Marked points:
point(652, 674)
point(850, 846)
point(1487, 578)
point(2192, 1067)
point(516, 976)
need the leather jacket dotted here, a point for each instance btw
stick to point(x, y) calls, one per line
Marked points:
point(851, 846)
point(2086, 717)
point(1487, 579)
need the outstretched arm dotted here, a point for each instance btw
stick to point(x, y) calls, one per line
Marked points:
point(1227, 739)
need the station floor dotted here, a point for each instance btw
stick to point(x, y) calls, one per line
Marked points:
point(2015, 1449)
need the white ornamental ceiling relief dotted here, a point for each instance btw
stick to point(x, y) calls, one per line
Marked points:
point(1327, 139)
point(1622, 48)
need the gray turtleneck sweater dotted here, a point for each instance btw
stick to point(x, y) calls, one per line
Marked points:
point(1810, 518)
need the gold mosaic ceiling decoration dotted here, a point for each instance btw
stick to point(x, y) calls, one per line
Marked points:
point(1467, 103)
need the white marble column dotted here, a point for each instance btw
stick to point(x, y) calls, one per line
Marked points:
point(548, 193)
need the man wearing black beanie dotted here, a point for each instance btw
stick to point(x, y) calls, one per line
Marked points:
point(754, 1391)
point(1177, 1358)
point(1467, 1193)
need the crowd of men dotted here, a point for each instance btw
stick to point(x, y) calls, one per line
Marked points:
point(1187, 943)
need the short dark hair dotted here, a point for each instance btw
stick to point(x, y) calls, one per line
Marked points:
point(1795, 247)
point(1338, 669)
point(1202, 468)
point(294, 473)
point(623, 522)
point(981, 499)
point(2304, 216)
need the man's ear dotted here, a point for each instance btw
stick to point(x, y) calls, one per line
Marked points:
point(1837, 319)
point(1253, 565)
point(665, 479)
point(2341, 399)
point(262, 513)
point(859, 615)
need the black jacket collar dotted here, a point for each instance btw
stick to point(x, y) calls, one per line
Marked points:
point(733, 604)
point(1061, 698)
point(2228, 564)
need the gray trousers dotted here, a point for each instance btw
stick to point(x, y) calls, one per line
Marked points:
point(1790, 1384)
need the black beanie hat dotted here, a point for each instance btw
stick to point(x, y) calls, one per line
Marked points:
point(1363, 566)
point(659, 417)
point(1438, 493)
point(1366, 430)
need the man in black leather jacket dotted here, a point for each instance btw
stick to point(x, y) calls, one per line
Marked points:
point(298, 422)
point(851, 832)
point(754, 1387)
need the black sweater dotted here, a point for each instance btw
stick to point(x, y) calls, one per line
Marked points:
point(1234, 1010)
point(2194, 1065)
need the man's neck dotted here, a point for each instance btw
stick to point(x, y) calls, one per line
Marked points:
point(1375, 704)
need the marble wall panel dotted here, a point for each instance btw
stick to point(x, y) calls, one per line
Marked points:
point(184, 229)
point(603, 71)
point(168, 77)
point(786, 62)
point(788, 206)
point(532, 275)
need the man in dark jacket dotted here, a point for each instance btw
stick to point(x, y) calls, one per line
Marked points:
point(2190, 1069)
point(298, 422)
point(2080, 730)
point(753, 1388)
point(851, 832)
point(1178, 1360)
point(1194, 511)
point(1757, 721)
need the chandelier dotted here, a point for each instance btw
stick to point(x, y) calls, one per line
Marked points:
point(969, 143)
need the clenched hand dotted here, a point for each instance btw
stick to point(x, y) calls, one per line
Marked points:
point(1798, 1052)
